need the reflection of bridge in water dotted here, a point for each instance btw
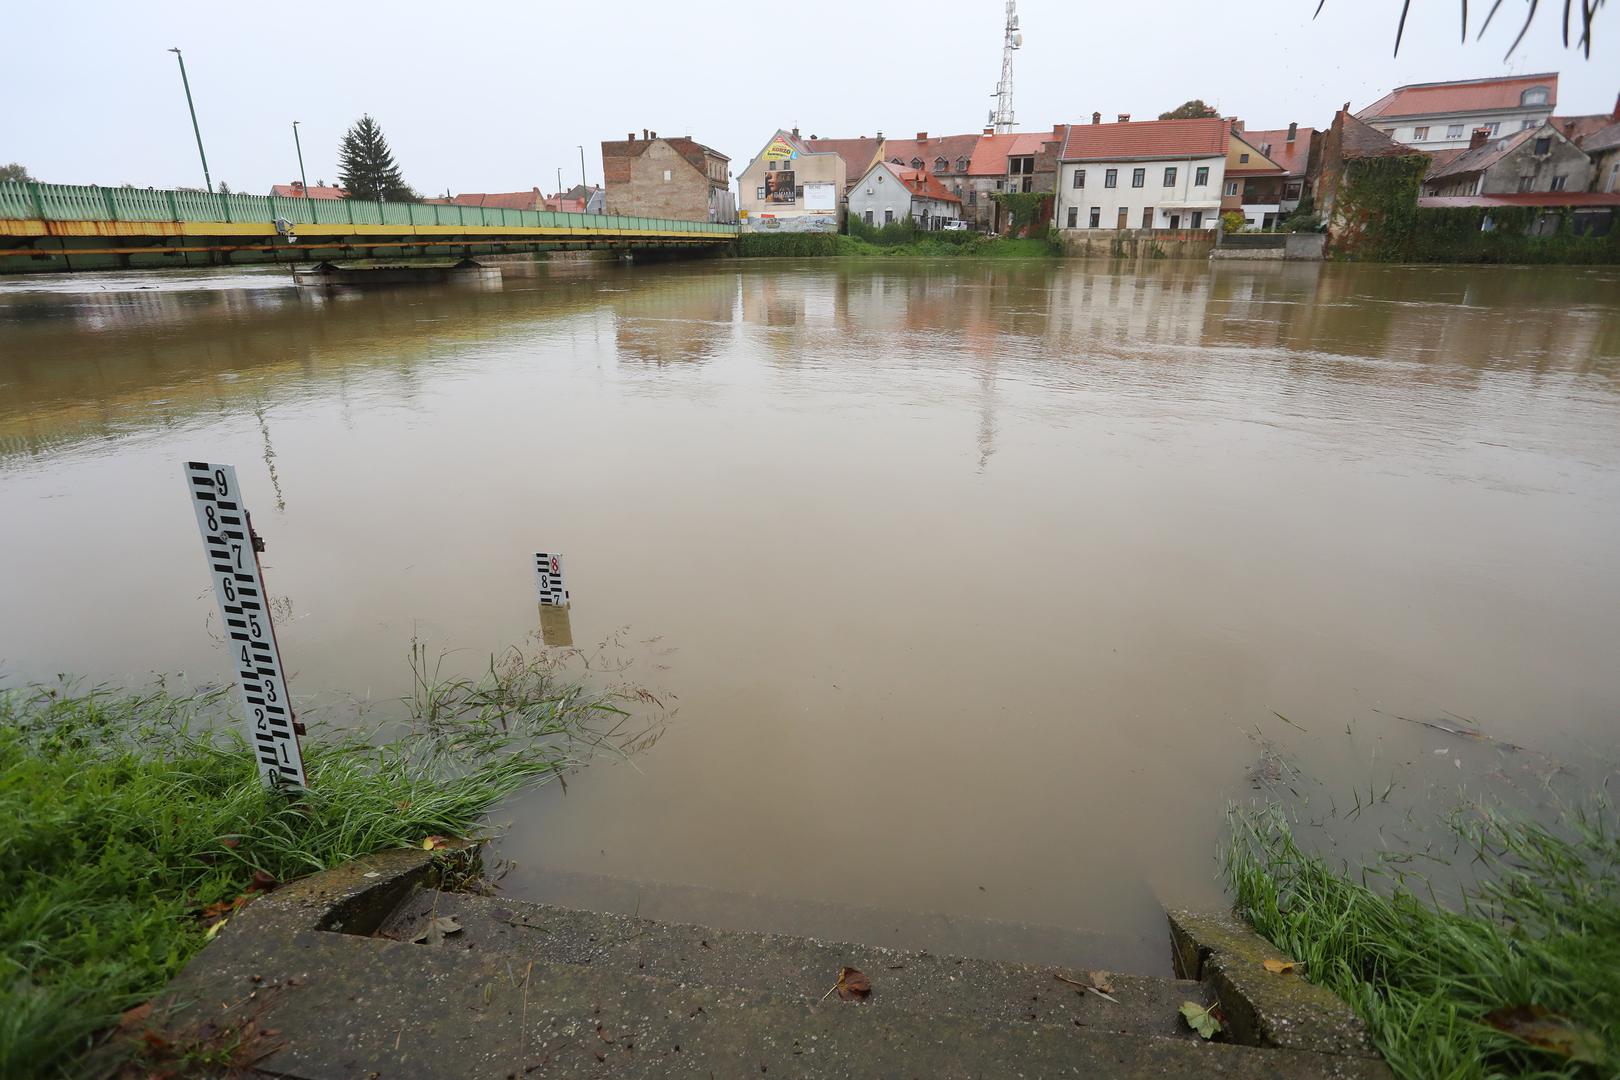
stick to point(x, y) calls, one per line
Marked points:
point(54, 227)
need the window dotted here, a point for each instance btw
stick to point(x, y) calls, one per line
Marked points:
point(916, 163)
point(759, 193)
point(1170, 176)
point(1536, 95)
point(1231, 187)
point(1138, 177)
point(961, 164)
point(1201, 176)
point(1198, 219)
point(869, 217)
point(1543, 146)
point(1293, 189)
point(1074, 216)
point(973, 198)
point(1243, 159)
point(1528, 124)
point(888, 217)
point(1558, 183)
point(1454, 131)
point(1111, 178)
point(1494, 127)
point(1147, 217)
point(1419, 134)
point(666, 176)
point(1079, 180)
point(1527, 183)
point(1096, 216)
point(941, 165)
point(771, 165)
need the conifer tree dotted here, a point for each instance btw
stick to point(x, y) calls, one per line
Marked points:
point(366, 166)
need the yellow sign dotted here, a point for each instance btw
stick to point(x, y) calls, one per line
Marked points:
point(779, 150)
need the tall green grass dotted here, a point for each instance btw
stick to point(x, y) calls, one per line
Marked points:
point(1540, 926)
point(125, 814)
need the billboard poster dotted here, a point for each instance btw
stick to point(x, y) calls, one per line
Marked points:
point(820, 197)
point(779, 150)
point(779, 187)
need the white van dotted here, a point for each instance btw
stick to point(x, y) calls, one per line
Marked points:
point(955, 225)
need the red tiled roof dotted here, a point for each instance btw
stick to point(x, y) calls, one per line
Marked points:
point(1577, 129)
point(1292, 156)
point(1439, 159)
point(616, 155)
point(1361, 139)
point(1463, 95)
point(928, 151)
point(1525, 198)
point(1145, 140)
point(296, 190)
point(922, 182)
point(500, 200)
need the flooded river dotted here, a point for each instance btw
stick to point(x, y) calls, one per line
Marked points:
point(980, 587)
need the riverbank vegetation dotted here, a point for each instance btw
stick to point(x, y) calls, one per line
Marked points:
point(1520, 976)
point(901, 238)
point(136, 821)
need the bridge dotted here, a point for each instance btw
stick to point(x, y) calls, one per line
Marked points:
point(63, 227)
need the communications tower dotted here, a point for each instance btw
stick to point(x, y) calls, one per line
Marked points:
point(1001, 117)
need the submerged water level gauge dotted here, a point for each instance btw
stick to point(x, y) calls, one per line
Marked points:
point(231, 551)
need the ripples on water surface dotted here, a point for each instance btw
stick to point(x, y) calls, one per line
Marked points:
point(978, 585)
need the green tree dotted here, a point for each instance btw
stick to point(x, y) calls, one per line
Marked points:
point(1190, 110)
point(15, 171)
point(366, 166)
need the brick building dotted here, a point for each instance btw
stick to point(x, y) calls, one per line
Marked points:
point(667, 177)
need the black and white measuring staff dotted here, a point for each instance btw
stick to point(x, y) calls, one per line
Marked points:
point(548, 579)
point(233, 564)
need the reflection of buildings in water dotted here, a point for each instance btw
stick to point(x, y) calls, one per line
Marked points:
point(555, 628)
point(1134, 304)
point(682, 316)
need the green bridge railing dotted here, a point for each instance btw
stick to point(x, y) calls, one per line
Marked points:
point(76, 202)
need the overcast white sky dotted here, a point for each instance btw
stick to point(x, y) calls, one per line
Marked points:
point(496, 96)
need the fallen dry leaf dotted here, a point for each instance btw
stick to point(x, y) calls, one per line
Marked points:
point(437, 929)
point(852, 984)
point(433, 842)
point(1540, 1026)
point(1103, 981)
point(262, 882)
point(1280, 967)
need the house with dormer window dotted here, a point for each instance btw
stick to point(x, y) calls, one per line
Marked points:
point(1444, 115)
point(1538, 159)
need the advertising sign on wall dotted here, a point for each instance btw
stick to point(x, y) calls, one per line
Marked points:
point(779, 187)
point(779, 150)
point(820, 197)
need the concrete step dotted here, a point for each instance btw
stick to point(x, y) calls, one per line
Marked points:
point(799, 969)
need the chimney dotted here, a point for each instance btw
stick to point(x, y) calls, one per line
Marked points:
point(880, 136)
point(644, 134)
point(1293, 132)
point(1096, 118)
point(1479, 137)
point(631, 137)
point(922, 136)
point(795, 133)
point(1124, 117)
point(652, 135)
point(1237, 125)
point(989, 131)
point(1057, 131)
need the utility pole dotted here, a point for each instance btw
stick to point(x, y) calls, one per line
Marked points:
point(581, 166)
point(208, 181)
point(559, 187)
point(301, 177)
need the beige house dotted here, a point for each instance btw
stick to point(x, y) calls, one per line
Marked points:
point(669, 178)
point(793, 185)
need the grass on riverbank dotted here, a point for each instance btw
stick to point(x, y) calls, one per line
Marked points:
point(1541, 930)
point(128, 814)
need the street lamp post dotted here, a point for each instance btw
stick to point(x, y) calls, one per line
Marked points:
point(195, 130)
point(581, 166)
point(302, 177)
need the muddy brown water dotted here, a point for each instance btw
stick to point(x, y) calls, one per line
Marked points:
point(978, 585)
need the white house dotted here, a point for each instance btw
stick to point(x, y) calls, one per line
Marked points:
point(1151, 174)
point(1443, 115)
point(890, 193)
